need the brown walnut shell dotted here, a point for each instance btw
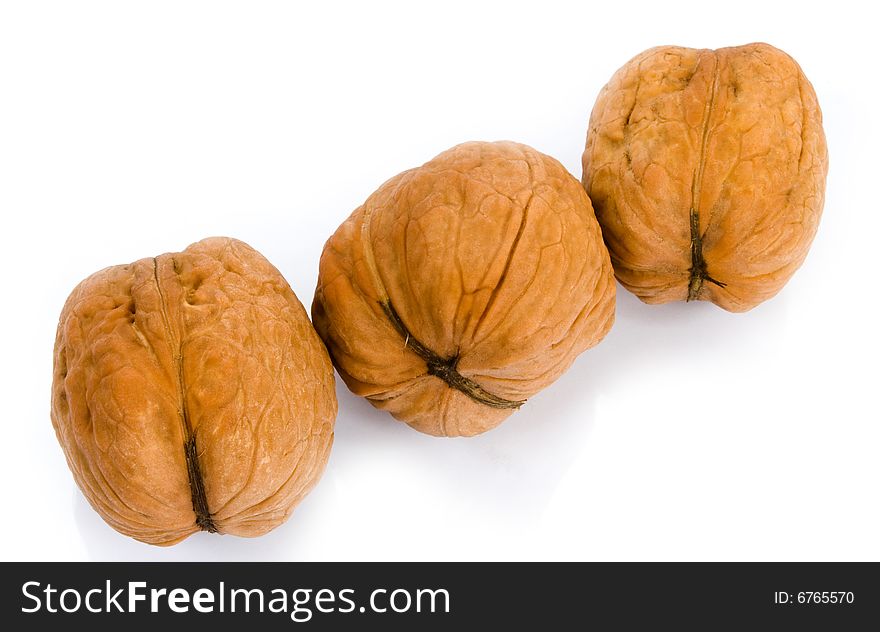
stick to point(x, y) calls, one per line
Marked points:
point(464, 286)
point(191, 393)
point(707, 172)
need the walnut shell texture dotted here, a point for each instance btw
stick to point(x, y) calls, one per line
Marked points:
point(191, 393)
point(707, 172)
point(464, 286)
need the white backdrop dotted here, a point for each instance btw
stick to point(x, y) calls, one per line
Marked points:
point(131, 129)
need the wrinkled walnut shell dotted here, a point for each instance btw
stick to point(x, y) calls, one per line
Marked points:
point(707, 172)
point(464, 286)
point(191, 393)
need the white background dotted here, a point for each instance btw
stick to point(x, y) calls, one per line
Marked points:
point(131, 129)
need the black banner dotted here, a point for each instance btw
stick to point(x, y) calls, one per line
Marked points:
point(440, 596)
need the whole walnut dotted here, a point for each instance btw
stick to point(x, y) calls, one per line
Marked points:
point(707, 172)
point(191, 393)
point(464, 286)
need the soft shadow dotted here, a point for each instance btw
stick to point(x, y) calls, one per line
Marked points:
point(511, 472)
point(507, 475)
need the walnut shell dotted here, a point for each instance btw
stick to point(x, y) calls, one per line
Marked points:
point(707, 172)
point(464, 286)
point(191, 393)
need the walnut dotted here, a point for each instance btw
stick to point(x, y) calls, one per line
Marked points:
point(191, 393)
point(707, 172)
point(464, 286)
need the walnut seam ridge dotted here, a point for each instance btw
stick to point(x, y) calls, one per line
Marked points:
point(204, 521)
point(699, 271)
point(438, 366)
